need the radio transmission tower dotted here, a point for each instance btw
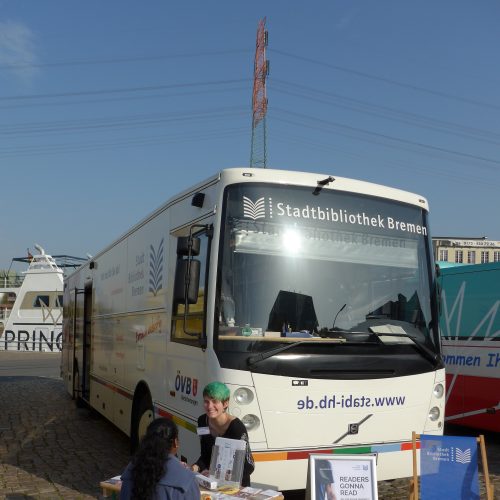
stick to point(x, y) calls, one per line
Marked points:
point(258, 155)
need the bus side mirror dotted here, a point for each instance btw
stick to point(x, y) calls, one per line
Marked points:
point(438, 290)
point(439, 295)
point(187, 281)
point(188, 246)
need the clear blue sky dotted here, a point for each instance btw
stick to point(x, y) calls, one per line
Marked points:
point(108, 108)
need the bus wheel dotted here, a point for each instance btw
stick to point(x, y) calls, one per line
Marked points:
point(143, 415)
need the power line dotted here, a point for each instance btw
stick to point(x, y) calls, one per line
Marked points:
point(388, 80)
point(398, 147)
point(440, 171)
point(122, 90)
point(121, 60)
point(126, 98)
point(57, 148)
point(118, 122)
point(387, 113)
point(346, 128)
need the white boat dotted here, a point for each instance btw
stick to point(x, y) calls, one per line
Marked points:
point(31, 304)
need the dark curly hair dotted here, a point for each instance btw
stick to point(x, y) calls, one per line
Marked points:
point(149, 462)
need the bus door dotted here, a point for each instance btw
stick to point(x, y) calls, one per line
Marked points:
point(87, 340)
point(78, 343)
point(186, 352)
point(82, 342)
point(68, 340)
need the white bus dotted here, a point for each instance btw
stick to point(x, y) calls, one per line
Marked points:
point(312, 297)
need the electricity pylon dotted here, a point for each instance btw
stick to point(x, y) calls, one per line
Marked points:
point(258, 155)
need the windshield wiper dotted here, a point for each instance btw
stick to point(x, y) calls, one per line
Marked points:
point(424, 350)
point(383, 331)
point(252, 360)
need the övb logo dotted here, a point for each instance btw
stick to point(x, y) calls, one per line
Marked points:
point(254, 210)
point(186, 385)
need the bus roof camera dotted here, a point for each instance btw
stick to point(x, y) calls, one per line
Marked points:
point(323, 183)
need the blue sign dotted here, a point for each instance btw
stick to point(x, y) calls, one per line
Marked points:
point(448, 467)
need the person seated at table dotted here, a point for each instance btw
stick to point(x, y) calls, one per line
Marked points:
point(217, 422)
point(155, 473)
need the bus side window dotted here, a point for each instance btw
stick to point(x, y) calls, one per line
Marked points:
point(189, 331)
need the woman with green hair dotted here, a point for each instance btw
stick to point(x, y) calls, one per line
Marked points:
point(217, 422)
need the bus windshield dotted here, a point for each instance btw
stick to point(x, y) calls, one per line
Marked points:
point(331, 274)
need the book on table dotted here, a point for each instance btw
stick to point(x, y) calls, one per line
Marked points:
point(228, 459)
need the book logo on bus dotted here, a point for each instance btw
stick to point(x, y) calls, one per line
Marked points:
point(254, 210)
point(155, 268)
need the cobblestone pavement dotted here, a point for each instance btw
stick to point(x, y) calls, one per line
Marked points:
point(49, 449)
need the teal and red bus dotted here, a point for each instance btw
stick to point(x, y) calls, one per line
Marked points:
point(470, 331)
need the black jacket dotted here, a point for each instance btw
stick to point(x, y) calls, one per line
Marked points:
point(236, 430)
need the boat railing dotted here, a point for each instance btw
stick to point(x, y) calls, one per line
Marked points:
point(11, 281)
point(4, 313)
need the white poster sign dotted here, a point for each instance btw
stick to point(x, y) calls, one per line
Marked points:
point(342, 477)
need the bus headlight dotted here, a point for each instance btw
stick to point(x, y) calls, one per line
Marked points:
point(251, 422)
point(439, 390)
point(243, 396)
point(434, 413)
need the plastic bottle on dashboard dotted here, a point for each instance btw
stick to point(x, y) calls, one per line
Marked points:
point(246, 331)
